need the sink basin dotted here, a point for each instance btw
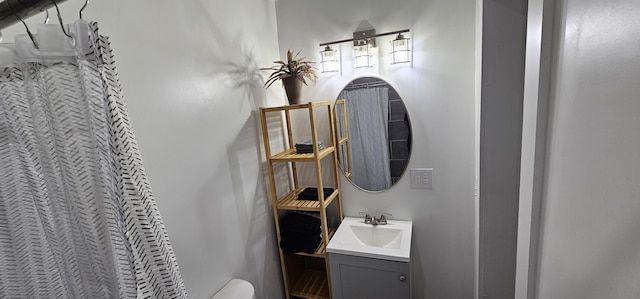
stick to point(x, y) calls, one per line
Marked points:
point(391, 241)
point(375, 236)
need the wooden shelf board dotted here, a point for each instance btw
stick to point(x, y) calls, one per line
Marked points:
point(291, 156)
point(290, 201)
point(312, 284)
point(322, 248)
point(297, 106)
point(343, 140)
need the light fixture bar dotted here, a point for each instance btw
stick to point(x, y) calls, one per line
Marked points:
point(370, 36)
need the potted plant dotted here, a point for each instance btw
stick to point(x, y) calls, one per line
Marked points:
point(295, 72)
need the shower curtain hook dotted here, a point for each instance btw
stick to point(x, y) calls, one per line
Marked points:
point(60, 19)
point(86, 2)
point(25, 26)
point(46, 20)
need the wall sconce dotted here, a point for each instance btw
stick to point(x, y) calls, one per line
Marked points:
point(330, 60)
point(400, 51)
point(363, 41)
point(362, 56)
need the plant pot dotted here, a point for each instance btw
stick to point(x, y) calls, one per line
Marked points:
point(293, 88)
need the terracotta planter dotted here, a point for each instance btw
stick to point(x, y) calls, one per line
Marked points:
point(293, 87)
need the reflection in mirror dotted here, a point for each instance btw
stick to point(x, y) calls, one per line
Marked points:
point(342, 135)
point(374, 134)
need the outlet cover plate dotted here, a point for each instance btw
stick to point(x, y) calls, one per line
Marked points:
point(421, 178)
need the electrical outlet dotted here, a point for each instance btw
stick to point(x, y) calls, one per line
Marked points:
point(421, 178)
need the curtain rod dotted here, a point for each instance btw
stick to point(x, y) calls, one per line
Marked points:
point(22, 8)
point(352, 85)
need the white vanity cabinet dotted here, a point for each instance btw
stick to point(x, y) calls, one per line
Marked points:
point(354, 277)
point(371, 261)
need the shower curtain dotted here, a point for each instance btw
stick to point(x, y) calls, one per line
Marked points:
point(77, 215)
point(367, 117)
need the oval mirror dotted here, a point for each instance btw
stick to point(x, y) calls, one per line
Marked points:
point(374, 133)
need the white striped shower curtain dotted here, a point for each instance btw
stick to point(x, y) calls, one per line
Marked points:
point(77, 215)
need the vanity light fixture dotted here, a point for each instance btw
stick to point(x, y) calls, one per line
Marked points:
point(363, 42)
point(400, 51)
point(362, 56)
point(330, 60)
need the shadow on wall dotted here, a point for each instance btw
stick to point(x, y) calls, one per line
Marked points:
point(236, 69)
point(258, 233)
point(230, 63)
point(260, 263)
point(245, 75)
point(417, 270)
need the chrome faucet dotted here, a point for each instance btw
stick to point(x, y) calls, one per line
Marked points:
point(367, 218)
point(382, 220)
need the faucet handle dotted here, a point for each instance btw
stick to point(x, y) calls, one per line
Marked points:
point(383, 219)
point(367, 217)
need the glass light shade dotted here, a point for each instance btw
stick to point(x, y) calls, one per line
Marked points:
point(330, 60)
point(362, 56)
point(400, 50)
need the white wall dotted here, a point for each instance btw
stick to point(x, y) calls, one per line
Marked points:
point(591, 217)
point(438, 91)
point(188, 70)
